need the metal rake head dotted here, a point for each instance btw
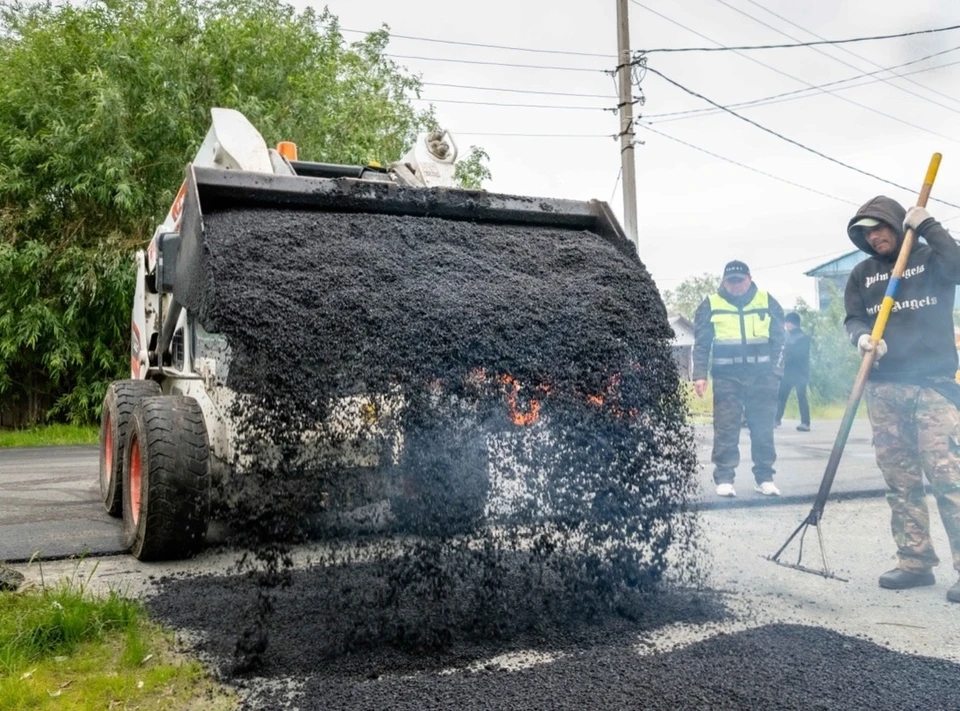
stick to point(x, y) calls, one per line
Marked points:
point(824, 572)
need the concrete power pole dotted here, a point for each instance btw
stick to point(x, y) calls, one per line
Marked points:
point(626, 124)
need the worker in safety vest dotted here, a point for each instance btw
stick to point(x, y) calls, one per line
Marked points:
point(744, 329)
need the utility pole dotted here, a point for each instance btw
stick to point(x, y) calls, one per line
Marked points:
point(627, 142)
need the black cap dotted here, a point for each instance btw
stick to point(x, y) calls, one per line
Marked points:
point(736, 268)
point(792, 317)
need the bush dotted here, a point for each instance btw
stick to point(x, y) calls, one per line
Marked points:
point(102, 104)
point(64, 326)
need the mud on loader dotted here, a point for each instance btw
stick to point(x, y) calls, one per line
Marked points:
point(167, 435)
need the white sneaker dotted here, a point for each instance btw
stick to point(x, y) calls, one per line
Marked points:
point(725, 490)
point(768, 488)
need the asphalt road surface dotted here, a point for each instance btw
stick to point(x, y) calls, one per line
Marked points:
point(49, 497)
point(50, 504)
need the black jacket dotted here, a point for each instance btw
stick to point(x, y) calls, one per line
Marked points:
point(919, 334)
point(796, 357)
point(703, 339)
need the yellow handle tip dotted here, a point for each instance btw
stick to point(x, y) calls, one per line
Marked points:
point(933, 168)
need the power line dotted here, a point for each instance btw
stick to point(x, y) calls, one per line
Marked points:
point(804, 93)
point(495, 64)
point(570, 53)
point(851, 52)
point(513, 106)
point(833, 254)
point(872, 109)
point(789, 140)
point(511, 90)
point(608, 136)
point(748, 167)
point(835, 59)
point(615, 184)
point(826, 255)
point(750, 47)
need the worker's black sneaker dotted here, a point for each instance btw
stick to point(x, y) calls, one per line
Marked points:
point(953, 594)
point(803, 428)
point(899, 579)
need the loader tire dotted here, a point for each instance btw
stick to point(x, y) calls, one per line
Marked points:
point(118, 405)
point(443, 480)
point(166, 500)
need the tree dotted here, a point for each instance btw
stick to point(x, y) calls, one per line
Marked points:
point(472, 170)
point(102, 105)
point(690, 294)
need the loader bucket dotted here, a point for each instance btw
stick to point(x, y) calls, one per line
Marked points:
point(419, 334)
point(210, 190)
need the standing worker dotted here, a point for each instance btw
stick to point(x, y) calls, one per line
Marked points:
point(796, 370)
point(743, 327)
point(912, 397)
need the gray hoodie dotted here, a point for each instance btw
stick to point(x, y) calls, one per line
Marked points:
point(919, 334)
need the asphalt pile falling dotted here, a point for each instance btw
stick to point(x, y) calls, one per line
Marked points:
point(505, 395)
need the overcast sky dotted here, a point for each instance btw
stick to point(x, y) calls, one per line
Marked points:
point(696, 211)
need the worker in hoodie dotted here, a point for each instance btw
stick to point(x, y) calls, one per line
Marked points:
point(743, 328)
point(912, 397)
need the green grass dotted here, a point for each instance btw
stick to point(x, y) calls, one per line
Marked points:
point(50, 435)
point(701, 409)
point(64, 647)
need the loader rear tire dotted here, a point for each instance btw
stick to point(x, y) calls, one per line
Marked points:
point(166, 500)
point(118, 405)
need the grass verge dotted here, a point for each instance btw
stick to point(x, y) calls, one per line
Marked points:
point(64, 647)
point(701, 409)
point(50, 435)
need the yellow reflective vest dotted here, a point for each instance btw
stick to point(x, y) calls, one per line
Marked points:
point(740, 336)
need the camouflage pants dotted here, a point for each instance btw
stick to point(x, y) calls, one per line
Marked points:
point(732, 396)
point(916, 431)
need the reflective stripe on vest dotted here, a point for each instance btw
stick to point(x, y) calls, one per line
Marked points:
point(740, 336)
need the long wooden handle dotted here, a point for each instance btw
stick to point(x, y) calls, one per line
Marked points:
point(908, 239)
point(867, 363)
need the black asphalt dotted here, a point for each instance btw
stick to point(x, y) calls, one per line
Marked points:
point(783, 667)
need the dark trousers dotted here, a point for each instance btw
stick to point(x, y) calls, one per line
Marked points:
point(785, 387)
point(757, 395)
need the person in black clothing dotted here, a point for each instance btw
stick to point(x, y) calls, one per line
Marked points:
point(912, 397)
point(796, 370)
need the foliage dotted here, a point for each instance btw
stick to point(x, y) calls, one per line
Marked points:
point(473, 170)
point(50, 436)
point(64, 324)
point(64, 647)
point(56, 620)
point(101, 106)
point(690, 294)
point(833, 360)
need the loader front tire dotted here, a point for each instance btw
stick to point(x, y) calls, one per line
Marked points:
point(166, 500)
point(118, 405)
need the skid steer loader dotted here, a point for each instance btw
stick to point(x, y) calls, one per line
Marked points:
point(167, 434)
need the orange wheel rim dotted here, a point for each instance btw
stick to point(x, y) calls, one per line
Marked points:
point(135, 480)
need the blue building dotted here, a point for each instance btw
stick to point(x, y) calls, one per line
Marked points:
point(836, 272)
